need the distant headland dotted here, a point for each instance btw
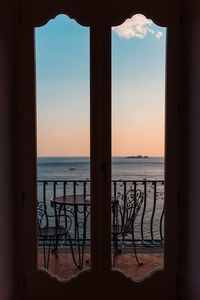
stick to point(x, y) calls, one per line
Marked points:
point(137, 156)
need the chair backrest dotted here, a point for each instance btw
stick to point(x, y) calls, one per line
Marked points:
point(126, 209)
point(53, 219)
point(42, 216)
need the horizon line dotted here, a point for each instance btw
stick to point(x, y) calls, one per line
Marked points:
point(89, 156)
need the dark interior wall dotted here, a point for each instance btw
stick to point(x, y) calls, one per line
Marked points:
point(190, 195)
point(190, 267)
point(8, 195)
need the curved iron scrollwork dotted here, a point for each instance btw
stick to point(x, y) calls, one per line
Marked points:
point(77, 233)
point(50, 232)
point(125, 210)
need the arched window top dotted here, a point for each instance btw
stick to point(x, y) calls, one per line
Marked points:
point(80, 11)
point(89, 12)
point(160, 12)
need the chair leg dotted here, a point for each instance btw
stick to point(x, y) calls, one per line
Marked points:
point(55, 249)
point(116, 250)
point(140, 263)
point(48, 253)
point(72, 251)
point(44, 253)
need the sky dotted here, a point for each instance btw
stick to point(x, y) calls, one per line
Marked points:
point(63, 88)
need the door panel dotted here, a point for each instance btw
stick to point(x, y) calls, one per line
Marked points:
point(101, 279)
point(63, 146)
point(138, 101)
point(37, 283)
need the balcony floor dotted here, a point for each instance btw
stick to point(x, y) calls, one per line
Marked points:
point(64, 267)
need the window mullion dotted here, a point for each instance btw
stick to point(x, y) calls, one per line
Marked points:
point(101, 146)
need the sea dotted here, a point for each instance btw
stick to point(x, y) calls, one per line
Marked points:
point(60, 169)
point(78, 168)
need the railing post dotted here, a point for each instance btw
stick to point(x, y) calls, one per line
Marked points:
point(74, 185)
point(154, 208)
point(84, 189)
point(44, 200)
point(144, 210)
point(125, 200)
point(115, 190)
point(161, 218)
point(54, 195)
point(64, 188)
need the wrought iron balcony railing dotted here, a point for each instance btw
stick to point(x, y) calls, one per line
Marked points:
point(149, 223)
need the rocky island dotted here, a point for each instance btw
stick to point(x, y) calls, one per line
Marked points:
point(137, 156)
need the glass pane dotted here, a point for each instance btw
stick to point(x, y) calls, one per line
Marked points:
point(138, 101)
point(63, 146)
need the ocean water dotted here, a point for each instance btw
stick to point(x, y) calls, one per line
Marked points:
point(78, 168)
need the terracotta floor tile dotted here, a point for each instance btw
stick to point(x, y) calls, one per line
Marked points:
point(64, 267)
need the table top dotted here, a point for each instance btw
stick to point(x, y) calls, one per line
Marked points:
point(72, 199)
point(78, 199)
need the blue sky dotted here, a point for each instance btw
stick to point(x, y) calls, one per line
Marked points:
point(138, 88)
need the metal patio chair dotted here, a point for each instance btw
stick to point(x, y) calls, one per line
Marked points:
point(50, 232)
point(124, 212)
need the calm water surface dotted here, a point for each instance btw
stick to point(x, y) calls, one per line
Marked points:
point(78, 168)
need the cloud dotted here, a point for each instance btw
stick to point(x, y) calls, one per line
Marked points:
point(159, 34)
point(138, 26)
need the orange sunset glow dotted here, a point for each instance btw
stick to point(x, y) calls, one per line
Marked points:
point(63, 88)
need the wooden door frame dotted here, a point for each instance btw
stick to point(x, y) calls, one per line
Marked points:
point(100, 17)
